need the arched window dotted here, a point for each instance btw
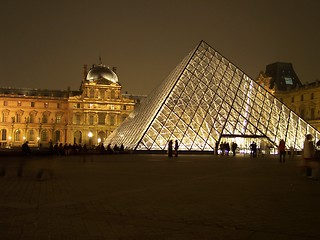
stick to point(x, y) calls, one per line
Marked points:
point(17, 136)
point(77, 137)
point(31, 135)
point(44, 136)
point(101, 136)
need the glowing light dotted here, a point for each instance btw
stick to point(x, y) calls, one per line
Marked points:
point(207, 100)
point(90, 134)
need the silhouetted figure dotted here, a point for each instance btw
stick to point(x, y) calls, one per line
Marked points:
point(253, 149)
point(25, 148)
point(170, 148)
point(216, 148)
point(234, 148)
point(109, 149)
point(227, 147)
point(176, 147)
point(121, 148)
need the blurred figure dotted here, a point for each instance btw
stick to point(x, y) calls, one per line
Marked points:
point(282, 151)
point(308, 155)
point(26, 152)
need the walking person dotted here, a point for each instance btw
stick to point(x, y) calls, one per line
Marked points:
point(282, 151)
point(176, 146)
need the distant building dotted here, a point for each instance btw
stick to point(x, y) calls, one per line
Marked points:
point(86, 116)
point(304, 99)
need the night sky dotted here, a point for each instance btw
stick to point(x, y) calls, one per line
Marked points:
point(44, 44)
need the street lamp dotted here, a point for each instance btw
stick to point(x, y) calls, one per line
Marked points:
point(90, 134)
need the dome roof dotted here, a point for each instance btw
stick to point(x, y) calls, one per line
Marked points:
point(102, 74)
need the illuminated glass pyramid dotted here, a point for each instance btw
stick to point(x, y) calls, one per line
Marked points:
point(205, 100)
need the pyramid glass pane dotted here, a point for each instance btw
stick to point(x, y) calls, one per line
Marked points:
point(207, 98)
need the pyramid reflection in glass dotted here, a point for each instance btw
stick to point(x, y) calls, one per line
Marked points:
point(204, 100)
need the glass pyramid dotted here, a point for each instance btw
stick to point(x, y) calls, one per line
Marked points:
point(205, 100)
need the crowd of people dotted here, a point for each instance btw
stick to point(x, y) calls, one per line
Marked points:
point(71, 149)
point(309, 166)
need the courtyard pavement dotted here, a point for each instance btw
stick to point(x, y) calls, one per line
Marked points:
point(146, 196)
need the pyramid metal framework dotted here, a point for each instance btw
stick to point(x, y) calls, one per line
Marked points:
point(205, 99)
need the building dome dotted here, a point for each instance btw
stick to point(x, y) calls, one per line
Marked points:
point(102, 74)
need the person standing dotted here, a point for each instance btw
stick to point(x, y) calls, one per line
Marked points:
point(176, 147)
point(234, 146)
point(308, 155)
point(282, 151)
point(170, 148)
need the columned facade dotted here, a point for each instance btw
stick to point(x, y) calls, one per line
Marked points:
point(86, 116)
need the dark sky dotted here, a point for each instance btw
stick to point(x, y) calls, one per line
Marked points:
point(44, 44)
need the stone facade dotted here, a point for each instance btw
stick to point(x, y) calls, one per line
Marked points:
point(86, 116)
point(304, 99)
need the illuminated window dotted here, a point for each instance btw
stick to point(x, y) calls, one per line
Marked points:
point(58, 119)
point(46, 105)
point(17, 136)
point(31, 135)
point(112, 107)
point(18, 118)
point(44, 119)
point(44, 136)
point(19, 103)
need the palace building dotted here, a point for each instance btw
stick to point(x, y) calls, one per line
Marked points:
point(304, 99)
point(86, 116)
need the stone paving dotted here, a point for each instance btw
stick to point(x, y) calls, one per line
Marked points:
point(145, 196)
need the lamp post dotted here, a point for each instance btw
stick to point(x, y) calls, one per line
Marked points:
point(90, 135)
